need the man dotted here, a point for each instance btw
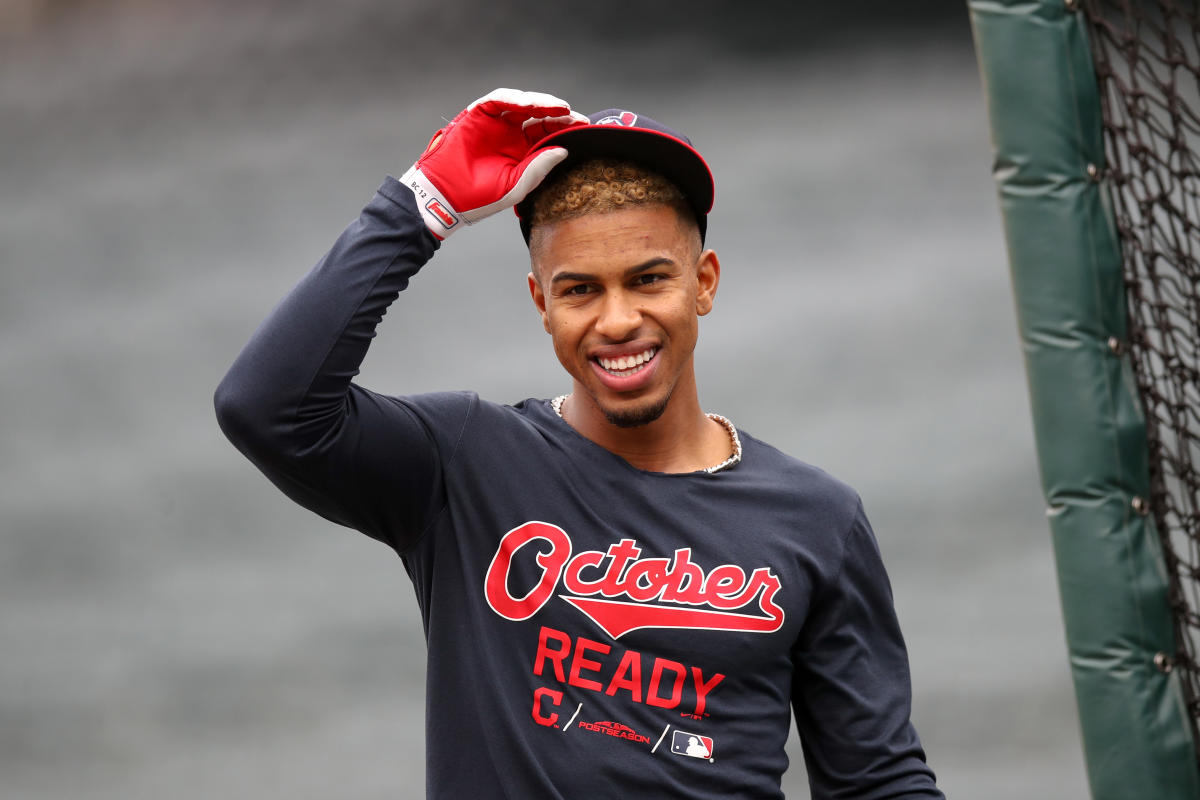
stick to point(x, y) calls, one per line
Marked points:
point(622, 595)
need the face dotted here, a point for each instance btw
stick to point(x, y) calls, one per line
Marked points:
point(621, 293)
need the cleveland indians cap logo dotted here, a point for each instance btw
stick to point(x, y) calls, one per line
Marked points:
point(625, 118)
point(621, 592)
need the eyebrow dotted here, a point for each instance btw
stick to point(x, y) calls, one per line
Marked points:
point(584, 277)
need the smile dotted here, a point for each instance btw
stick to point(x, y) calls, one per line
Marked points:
point(625, 366)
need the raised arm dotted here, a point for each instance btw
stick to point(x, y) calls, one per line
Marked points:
point(288, 402)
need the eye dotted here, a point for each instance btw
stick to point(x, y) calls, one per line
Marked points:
point(647, 279)
point(577, 290)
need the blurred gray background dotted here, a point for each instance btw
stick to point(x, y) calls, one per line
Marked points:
point(173, 627)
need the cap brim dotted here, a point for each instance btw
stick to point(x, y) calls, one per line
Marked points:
point(673, 158)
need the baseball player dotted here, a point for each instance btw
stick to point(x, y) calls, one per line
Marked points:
point(622, 595)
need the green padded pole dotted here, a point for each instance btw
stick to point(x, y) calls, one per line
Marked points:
point(1066, 271)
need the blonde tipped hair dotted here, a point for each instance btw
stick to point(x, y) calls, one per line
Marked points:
point(600, 185)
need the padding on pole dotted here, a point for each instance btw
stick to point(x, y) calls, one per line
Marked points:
point(1065, 258)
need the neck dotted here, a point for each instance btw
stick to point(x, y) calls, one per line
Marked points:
point(682, 439)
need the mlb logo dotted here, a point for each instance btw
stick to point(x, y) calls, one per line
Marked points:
point(691, 744)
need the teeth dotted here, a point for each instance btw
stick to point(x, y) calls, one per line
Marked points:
point(627, 362)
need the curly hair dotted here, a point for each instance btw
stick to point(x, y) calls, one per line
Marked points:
point(603, 184)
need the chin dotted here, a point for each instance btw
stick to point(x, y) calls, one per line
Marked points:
point(636, 417)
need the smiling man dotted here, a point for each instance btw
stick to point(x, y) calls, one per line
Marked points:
point(623, 596)
point(620, 282)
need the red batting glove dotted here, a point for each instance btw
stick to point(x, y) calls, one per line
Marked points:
point(481, 162)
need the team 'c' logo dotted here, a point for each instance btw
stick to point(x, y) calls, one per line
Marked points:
point(621, 591)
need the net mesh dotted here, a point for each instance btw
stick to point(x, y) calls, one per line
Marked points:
point(1147, 57)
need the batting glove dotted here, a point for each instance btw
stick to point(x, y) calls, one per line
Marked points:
point(481, 162)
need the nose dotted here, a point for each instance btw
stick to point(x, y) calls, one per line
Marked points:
point(619, 317)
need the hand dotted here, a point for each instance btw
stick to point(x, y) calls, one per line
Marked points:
point(481, 162)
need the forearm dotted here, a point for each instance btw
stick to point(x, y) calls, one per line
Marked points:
point(287, 402)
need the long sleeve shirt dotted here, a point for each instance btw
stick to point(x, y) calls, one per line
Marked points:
point(593, 630)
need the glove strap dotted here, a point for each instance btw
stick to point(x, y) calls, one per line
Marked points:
point(439, 216)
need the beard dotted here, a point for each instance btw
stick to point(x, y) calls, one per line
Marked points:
point(635, 418)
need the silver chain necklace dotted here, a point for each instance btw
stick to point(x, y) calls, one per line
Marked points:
point(734, 458)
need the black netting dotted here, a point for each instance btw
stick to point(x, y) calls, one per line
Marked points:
point(1146, 56)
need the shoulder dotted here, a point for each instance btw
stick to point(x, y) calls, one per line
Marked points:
point(440, 410)
point(464, 413)
point(806, 487)
point(492, 441)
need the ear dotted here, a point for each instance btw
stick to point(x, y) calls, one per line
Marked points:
point(539, 299)
point(708, 275)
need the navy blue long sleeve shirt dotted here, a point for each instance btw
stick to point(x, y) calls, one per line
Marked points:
point(593, 630)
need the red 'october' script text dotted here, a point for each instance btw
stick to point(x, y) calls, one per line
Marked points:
point(616, 588)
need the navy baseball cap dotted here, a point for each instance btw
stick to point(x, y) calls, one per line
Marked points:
point(617, 133)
